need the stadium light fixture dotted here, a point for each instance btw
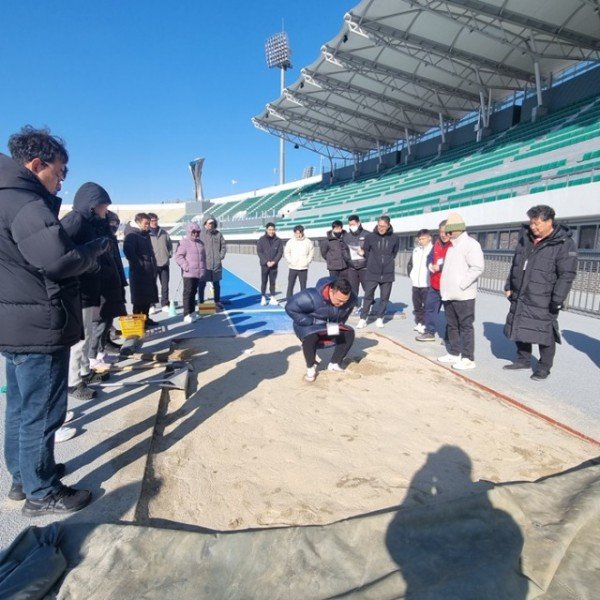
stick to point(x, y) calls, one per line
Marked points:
point(278, 53)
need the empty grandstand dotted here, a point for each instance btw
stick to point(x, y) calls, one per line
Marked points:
point(425, 107)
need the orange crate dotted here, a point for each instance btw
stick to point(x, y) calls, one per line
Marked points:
point(133, 325)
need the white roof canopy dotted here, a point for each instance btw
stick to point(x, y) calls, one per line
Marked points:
point(401, 67)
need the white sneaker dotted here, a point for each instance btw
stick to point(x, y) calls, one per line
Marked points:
point(362, 323)
point(69, 416)
point(335, 367)
point(263, 301)
point(165, 309)
point(419, 327)
point(449, 359)
point(311, 374)
point(107, 358)
point(190, 318)
point(153, 310)
point(99, 365)
point(64, 433)
point(464, 364)
point(379, 323)
point(273, 301)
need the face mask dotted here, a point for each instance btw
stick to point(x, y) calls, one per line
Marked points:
point(353, 228)
point(337, 234)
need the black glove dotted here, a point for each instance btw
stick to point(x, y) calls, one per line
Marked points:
point(555, 307)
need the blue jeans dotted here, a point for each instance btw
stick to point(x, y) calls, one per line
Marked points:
point(433, 303)
point(36, 405)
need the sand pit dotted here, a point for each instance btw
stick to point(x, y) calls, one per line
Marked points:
point(256, 446)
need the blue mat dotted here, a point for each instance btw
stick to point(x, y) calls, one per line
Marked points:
point(242, 303)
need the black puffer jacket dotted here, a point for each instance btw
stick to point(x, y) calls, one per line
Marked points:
point(137, 248)
point(335, 252)
point(540, 274)
point(40, 311)
point(311, 309)
point(380, 252)
point(83, 225)
point(112, 279)
point(356, 240)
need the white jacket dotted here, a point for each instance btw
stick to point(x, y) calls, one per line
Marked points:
point(463, 265)
point(419, 274)
point(299, 253)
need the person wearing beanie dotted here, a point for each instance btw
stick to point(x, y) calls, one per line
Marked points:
point(542, 272)
point(463, 265)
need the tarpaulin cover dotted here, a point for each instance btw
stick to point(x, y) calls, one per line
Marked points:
point(516, 541)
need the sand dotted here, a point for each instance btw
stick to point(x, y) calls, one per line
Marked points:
point(256, 446)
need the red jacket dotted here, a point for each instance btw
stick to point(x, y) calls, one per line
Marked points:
point(437, 254)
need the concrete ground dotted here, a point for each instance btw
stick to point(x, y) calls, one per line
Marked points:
point(116, 429)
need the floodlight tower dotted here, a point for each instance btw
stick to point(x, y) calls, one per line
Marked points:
point(278, 52)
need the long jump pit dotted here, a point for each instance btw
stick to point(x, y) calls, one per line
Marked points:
point(395, 479)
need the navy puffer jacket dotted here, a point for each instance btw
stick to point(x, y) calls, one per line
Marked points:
point(40, 311)
point(380, 253)
point(311, 309)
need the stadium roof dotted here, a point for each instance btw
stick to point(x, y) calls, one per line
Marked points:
point(398, 68)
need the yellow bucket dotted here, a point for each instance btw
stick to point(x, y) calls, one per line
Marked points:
point(132, 325)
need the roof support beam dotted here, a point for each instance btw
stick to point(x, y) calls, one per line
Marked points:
point(438, 49)
point(499, 12)
point(423, 82)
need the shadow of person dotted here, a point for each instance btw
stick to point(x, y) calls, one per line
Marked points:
point(584, 343)
point(449, 541)
point(500, 345)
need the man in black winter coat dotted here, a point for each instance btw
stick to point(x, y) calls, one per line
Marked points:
point(354, 238)
point(86, 222)
point(334, 250)
point(380, 250)
point(269, 248)
point(40, 312)
point(137, 248)
point(542, 272)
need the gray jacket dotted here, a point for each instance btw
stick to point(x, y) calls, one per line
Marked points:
point(463, 265)
point(216, 249)
point(162, 246)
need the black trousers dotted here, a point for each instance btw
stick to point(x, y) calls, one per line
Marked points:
point(267, 274)
point(216, 289)
point(384, 298)
point(419, 298)
point(292, 276)
point(356, 277)
point(141, 309)
point(190, 287)
point(337, 273)
point(547, 353)
point(460, 315)
point(343, 343)
point(163, 276)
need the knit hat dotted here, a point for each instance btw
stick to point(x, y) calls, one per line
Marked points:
point(455, 222)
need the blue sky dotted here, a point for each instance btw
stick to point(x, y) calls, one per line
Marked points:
point(138, 89)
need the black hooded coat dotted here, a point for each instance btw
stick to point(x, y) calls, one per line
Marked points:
point(540, 274)
point(83, 225)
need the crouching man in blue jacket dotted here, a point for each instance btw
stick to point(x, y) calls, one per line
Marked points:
point(320, 316)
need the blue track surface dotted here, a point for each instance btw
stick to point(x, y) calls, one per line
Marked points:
point(245, 311)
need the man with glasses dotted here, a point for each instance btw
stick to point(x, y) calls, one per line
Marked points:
point(40, 312)
point(433, 302)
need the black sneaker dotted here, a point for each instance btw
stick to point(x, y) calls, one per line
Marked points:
point(93, 377)
point(81, 392)
point(540, 375)
point(16, 489)
point(151, 323)
point(65, 500)
point(516, 366)
point(112, 346)
point(426, 337)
